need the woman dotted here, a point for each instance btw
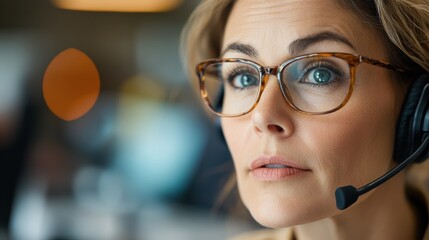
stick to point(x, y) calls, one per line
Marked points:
point(309, 94)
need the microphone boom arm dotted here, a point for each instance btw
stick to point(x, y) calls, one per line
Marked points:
point(347, 195)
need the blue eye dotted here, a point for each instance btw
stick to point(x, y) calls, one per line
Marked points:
point(244, 81)
point(321, 76)
point(242, 77)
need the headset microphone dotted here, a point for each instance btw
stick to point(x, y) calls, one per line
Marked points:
point(347, 195)
point(412, 141)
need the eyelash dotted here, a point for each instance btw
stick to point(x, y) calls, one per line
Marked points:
point(231, 74)
point(313, 65)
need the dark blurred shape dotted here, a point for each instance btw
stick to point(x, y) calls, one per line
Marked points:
point(211, 175)
point(61, 238)
point(13, 154)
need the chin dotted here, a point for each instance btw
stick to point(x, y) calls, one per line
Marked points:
point(280, 213)
point(284, 219)
point(272, 223)
point(273, 219)
point(273, 213)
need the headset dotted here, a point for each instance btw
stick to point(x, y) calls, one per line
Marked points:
point(413, 123)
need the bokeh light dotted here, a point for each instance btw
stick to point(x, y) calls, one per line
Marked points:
point(71, 84)
point(118, 6)
point(155, 152)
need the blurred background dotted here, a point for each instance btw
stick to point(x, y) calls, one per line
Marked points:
point(139, 160)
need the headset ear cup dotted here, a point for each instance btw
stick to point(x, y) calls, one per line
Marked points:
point(407, 139)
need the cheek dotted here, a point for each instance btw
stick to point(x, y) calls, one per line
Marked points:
point(351, 155)
point(355, 144)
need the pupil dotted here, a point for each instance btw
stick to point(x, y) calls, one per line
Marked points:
point(247, 80)
point(322, 76)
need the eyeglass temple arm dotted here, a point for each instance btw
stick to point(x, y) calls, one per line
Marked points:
point(380, 64)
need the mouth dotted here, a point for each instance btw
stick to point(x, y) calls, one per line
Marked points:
point(275, 168)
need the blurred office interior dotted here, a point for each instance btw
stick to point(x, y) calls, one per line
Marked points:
point(144, 162)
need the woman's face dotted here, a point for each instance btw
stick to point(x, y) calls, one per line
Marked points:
point(351, 146)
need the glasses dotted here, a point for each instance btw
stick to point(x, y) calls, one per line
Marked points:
point(317, 83)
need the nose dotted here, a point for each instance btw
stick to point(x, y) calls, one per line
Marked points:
point(272, 115)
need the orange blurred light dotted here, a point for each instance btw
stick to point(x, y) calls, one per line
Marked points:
point(71, 84)
point(118, 5)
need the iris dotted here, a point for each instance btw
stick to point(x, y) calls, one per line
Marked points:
point(322, 76)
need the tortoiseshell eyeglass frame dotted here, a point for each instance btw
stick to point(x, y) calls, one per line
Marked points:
point(352, 59)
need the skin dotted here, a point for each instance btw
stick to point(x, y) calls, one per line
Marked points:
point(351, 146)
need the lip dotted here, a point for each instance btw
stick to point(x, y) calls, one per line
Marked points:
point(274, 168)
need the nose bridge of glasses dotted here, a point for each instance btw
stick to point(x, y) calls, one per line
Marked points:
point(266, 72)
point(270, 70)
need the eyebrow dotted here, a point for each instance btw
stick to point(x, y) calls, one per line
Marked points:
point(241, 48)
point(296, 47)
point(301, 44)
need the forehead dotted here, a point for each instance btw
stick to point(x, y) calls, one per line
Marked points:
point(270, 26)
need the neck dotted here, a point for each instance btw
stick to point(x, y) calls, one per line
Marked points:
point(384, 213)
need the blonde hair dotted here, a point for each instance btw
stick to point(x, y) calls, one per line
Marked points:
point(202, 36)
point(405, 23)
